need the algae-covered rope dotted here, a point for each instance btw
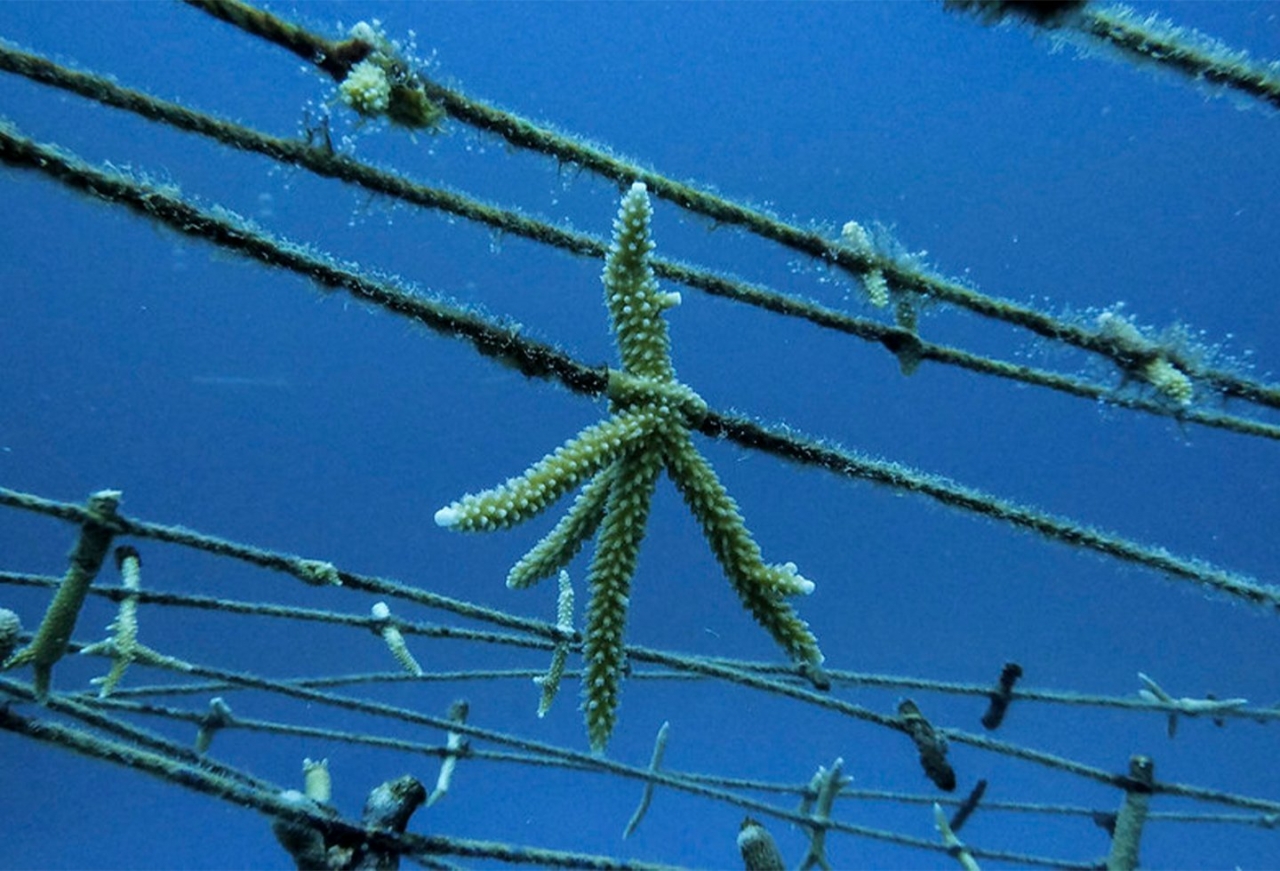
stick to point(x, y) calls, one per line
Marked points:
point(904, 276)
point(325, 162)
point(537, 359)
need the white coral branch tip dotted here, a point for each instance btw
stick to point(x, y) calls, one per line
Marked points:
point(448, 516)
point(799, 584)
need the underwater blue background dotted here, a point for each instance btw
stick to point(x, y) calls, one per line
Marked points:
point(242, 402)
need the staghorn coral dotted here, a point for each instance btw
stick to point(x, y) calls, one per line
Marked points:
point(651, 414)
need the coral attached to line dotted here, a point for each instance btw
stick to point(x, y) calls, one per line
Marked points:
point(648, 430)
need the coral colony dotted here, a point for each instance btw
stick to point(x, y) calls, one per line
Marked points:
point(648, 430)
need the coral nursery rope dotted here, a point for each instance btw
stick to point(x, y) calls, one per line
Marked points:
point(133, 747)
point(537, 359)
point(523, 133)
point(326, 163)
point(195, 776)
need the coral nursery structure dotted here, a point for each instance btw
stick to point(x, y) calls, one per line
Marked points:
point(277, 288)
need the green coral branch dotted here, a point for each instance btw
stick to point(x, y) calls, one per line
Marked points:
point(522, 498)
point(53, 635)
point(612, 568)
point(550, 682)
point(723, 525)
point(761, 587)
point(123, 645)
point(651, 415)
point(632, 295)
point(563, 542)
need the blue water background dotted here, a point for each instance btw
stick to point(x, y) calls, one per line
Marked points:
point(246, 403)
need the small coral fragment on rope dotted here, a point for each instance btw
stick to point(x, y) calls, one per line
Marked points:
point(383, 83)
point(819, 799)
point(317, 573)
point(1132, 816)
point(455, 745)
point(394, 638)
point(10, 629)
point(123, 645)
point(930, 743)
point(759, 849)
point(655, 763)
point(620, 459)
point(51, 639)
point(317, 783)
point(217, 718)
point(999, 698)
point(1153, 692)
point(951, 841)
point(550, 682)
point(312, 843)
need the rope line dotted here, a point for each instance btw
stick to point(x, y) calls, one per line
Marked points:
point(709, 668)
point(1142, 41)
point(177, 769)
point(1191, 54)
point(773, 671)
point(179, 772)
point(581, 760)
point(326, 163)
point(523, 133)
point(540, 360)
point(269, 801)
point(705, 667)
point(798, 790)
